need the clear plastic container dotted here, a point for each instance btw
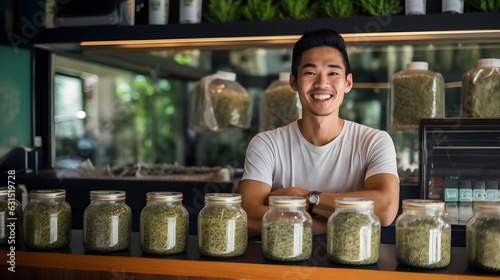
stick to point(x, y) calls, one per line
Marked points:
point(280, 104)
point(47, 220)
point(219, 102)
point(287, 229)
point(164, 224)
point(107, 222)
point(423, 234)
point(481, 90)
point(10, 216)
point(353, 235)
point(416, 93)
point(483, 236)
point(222, 226)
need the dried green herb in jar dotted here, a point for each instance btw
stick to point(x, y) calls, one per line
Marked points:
point(107, 222)
point(47, 220)
point(279, 107)
point(353, 239)
point(481, 90)
point(483, 237)
point(423, 243)
point(230, 107)
point(5, 213)
point(222, 232)
point(286, 240)
point(164, 230)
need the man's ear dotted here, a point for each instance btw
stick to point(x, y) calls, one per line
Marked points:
point(348, 83)
point(293, 82)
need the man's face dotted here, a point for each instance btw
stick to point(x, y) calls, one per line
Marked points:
point(321, 81)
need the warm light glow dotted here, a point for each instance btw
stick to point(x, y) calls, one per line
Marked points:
point(81, 114)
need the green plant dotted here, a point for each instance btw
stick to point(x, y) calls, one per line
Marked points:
point(297, 9)
point(260, 10)
point(223, 10)
point(484, 5)
point(382, 7)
point(286, 240)
point(339, 8)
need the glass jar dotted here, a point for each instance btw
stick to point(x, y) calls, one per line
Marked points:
point(416, 93)
point(107, 222)
point(353, 235)
point(481, 90)
point(222, 226)
point(483, 236)
point(287, 229)
point(10, 216)
point(164, 224)
point(47, 220)
point(423, 234)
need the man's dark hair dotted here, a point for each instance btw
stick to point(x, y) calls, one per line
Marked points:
point(319, 38)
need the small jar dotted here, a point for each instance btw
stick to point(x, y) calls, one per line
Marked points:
point(353, 235)
point(10, 216)
point(222, 226)
point(164, 224)
point(107, 222)
point(423, 234)
point(47, 220)
point(483, 236)
point(287, 229)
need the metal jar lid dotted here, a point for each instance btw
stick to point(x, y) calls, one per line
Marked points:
point(423, 204)
point(487, 206)
point(287, 201)
point(354, 202)
point(164, 196)
point(4, 191)
point(222, 198)
point(48, 194)
point(107, 195)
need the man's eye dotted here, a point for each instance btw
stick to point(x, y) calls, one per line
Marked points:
point(309, 73)
point(334, 73)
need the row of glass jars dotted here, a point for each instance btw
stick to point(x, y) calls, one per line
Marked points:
point(423, 235)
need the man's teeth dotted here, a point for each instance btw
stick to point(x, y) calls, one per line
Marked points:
point(321, 97)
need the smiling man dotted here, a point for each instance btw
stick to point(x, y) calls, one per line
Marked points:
point(321, 156)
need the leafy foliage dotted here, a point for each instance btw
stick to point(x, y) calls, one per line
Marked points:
point(382, 7)
point(260, 10)
point(338, 8)
point(484, 5)
point(223, 11)
point(297, 9)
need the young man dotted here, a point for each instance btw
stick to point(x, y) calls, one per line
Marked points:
point(321, 156)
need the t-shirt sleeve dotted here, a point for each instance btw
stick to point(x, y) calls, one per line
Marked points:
point(382, 156)
point(259, 160)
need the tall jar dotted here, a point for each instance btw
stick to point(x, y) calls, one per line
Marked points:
point(423, 234)
point(483, 236)
point(287, 229)
point(164, 224)
point(10, 216)
point(481, 90)
point(222, 226)
point(416, 93)
point(107, 222)
point(353, 235)
point(47, 220)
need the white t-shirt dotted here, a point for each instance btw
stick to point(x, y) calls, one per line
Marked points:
point(284, 158)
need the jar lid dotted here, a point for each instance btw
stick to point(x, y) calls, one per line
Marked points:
point(492, 185)
point(164, 196)
point(487, 206)
point(417, 65)
point(423, 204)
point(227, 75)
point(4, 191)
point(284, 76)
point(107, 195)
point(465, 184)
point(51, 193)
point(222, 197)
point(488, 62)
point(355, 202)
point(287, 201)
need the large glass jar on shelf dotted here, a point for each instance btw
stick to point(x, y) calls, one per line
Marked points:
point(10, 214)
point(353, 235)
point(107, 222)
point(481, 90)
point(287, 229)
point(423, 234)
point(416, 93)
point(483, 236)
point(164, 224)
point(47, 220)
point(222, 226)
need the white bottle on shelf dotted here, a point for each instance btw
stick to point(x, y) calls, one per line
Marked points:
point(415, 7)
point(190, 11)
point(158, 11)
point(453, 6)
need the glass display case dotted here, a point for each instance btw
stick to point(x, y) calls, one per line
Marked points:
point(459, 163)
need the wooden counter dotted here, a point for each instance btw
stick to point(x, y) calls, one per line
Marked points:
point(74, 262)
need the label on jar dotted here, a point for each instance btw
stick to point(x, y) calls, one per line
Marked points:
point(479, 194)
point(415, 7)
point(492, 195)
point(451, 195)
point(466, 195)
point(453, 6)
